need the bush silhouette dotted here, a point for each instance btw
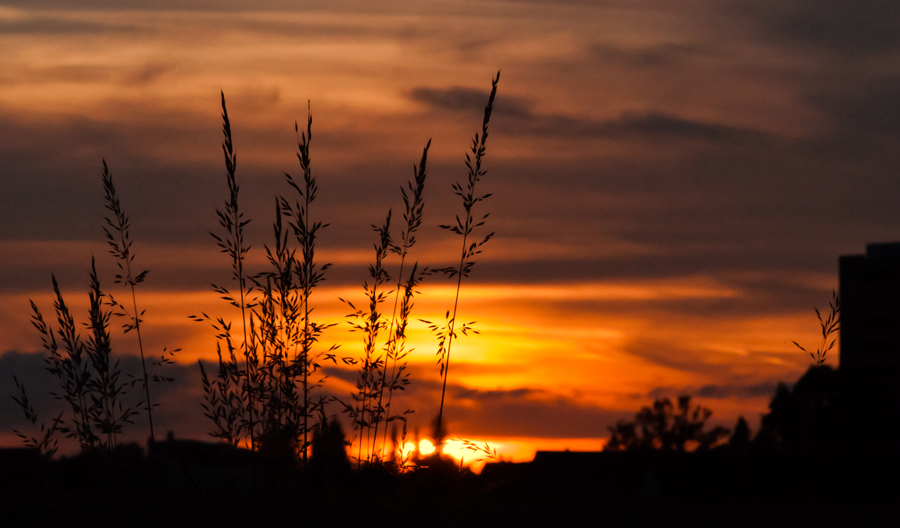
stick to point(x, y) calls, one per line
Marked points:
point(665, 427)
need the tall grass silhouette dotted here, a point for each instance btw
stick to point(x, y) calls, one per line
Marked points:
point(263, 388)
point(309, 274)
point(471, 246)
point(383, 365)
point(370, 322)
point(268, 402)
point(119, 239)
point(830, 325)
point(235, 390)
point(395, 348)
point(263, 392)
point(90, 382)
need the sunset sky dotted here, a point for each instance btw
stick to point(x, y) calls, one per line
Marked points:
point(672, 182)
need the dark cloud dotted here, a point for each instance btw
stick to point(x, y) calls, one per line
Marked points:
point(342, 373)
point(426, 381)
point(30, 370)
point(458, 99)
point(527, 412)
point(870, 108)
point(688, 358)
point(524, 120)
point(478, 395)
point(655, 56)
point(515, 412)
point(647, 126)
point(718, 392)
point(41, 25)
point(67, 205)
point(179, 410)
point(599, 4)
point(172, 199)
point(675, 356)
point(160, 5)
point(757, 390)
point(131, 76)
point(341, 6)
point(842, 26)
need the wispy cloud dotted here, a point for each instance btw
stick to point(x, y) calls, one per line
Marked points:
point(53, 25)
point(646, 126)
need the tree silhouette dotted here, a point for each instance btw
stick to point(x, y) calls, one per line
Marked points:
point(810, 417)
point(665, 427)
point(741, 437)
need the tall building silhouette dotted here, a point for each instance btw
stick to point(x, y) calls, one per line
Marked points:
point(870, 309)
point(870, 344)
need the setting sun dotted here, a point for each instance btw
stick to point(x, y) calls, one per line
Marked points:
point(426, 447)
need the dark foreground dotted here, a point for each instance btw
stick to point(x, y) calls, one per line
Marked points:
point(197, 484)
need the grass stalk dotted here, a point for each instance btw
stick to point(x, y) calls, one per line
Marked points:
point(117, 236)
point(232, 221)
point(108, 417)
point(308, 273)
point(88, 378)
point(365, 416)
point(399, 378)
point(464, 228)
point(70, 369)
point(414, 205)
point(270, 399)
point(830, 325)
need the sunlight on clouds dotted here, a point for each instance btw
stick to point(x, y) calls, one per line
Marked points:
point(658, 290)
point(584, 351)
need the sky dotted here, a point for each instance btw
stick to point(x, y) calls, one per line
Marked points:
point(671, 186)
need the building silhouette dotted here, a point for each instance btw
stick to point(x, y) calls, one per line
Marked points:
point(870, 339)
point(870, 308)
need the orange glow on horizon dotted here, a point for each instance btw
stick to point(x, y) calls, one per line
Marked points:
point(592, 362)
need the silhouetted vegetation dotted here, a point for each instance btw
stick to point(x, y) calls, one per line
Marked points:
point(740, 437)
point(262, 395)
point(804, 418)
point(119, 239)
point(363, 415)
point(831, 324)
point(471, 247)
point(666, 427)
point(830, 411)
point(90, 381)
point(264, 385)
